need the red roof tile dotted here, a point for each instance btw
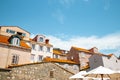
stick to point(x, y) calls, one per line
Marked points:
point(81, 49)
point(47, 59)
point(58, 52)
point(4, 39)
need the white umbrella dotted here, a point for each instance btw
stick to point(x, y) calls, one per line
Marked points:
point(74, 76)
point(101, 70)
point(79, 75)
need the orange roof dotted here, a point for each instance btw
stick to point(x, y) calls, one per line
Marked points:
point(4, 39)
point(47, 59)
point(57, 52)
point(110, 55)
point(81, 49)
point(23, 44)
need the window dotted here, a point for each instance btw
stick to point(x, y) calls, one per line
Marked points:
point(23, 34)
point(66, 66)
point(83, 64)
point(16, 41)
point(10, 31)
point(40, 48)
point(51, 74)
point(41, 39)
point(48, 49)
point(56, 56)
point(82, 54)
point(33, 46)
point(32, 57)
point(75, 67)
point(15, 59)
point(40, 58)
point(72, 57)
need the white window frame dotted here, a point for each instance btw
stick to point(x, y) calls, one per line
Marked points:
point(41, 39)
point(32, 57)
point(16, 41)
point(40, 58)
point(48, 49)
point(33, 47)
point(10, 31)
point(40, 48)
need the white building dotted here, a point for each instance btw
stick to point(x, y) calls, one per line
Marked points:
point(40, 48)
point(108, 61)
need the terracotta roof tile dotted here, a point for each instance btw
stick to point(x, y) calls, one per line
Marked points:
point(4, 39)
point(57, 52)
point(81, 49)
point(47, 59)
point(23, 44)
point(110, 55)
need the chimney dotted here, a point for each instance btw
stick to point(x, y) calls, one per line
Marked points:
point(47, 41)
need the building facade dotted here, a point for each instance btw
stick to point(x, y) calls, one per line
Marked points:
point(60, 53)
point(109, 61)
point(66, 64)
point(41, 48)
point(81, 56)
point(13, 30)
point(13, 46)
point(35, 71)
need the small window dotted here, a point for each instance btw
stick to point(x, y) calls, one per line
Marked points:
point(23, 34)
point(51, 74)
point(10, 31)
point(83, 64)
point(82, 54)
point(16, 41)
point(75, 67)
point(66, 66)
point(56, 56)
point(48, 49)
point(116, 61)
point(41, 39)
point(15, 59)
point(33, 46)
point(32, 57)
point(40, 48)
point(40, 58)
point(72, 57)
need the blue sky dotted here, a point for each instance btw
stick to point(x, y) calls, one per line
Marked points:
point(82, 23)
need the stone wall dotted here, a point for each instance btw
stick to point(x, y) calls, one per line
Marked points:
point(36, 71)
point(4, 73)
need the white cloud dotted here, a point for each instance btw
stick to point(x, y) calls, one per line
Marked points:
point(108, 42)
